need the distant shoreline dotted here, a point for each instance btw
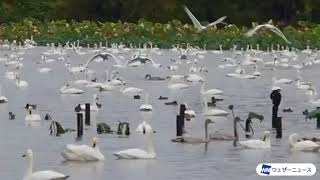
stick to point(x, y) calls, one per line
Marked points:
point(162, 35)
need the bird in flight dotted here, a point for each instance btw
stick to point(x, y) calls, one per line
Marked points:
point(267, 26)
point(197, 24)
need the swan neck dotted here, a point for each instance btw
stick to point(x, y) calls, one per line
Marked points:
point(235, 130)
point(29, 170)
point(202, 88)
point(206, 136)
point(150, 146)
point(205, 104)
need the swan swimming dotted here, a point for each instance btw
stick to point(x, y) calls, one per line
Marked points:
point(146, 106)
point(306, 146)
point(83, 152)
point(210, 92)
point(66, 89)
point(213, 111)
point(40, 175)
point(139, 153)
point(252, 143)
point(21, 83)
point(32, 117)
point(192, 140)
point(3, 99)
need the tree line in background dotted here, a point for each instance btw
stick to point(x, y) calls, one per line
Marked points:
point(240, 12)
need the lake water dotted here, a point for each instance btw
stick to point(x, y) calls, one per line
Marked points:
point(219, 160)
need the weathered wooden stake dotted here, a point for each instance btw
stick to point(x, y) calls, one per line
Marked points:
point(79, 124)
point(179, 126)
point(87, 114)
point(318, 119)
point(279, 127)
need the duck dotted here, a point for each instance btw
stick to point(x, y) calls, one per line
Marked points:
point(83, 152)
point(30, 175)
point(56, 129)
point(175, 103)
point(163, 98)
point(287, 110)
point(140, 153)
point(213, 102)
point(150, 78)
point(304, 145)
point(123, 130)
point(12, 116)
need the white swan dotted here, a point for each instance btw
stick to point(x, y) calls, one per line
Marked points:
point(210, 92)
point(146, 106)
point(20, 83)
point(307, 146)
point(44, 70)
point(131, 90)
point(144, 126)
point(93, 105)
point(66, 89)
point(193, 140)
point(177, 86)
point(11, 75)
point(213, 111)
point(256, 72)
point(268, 26)
point(194, 78)
point(139, 153)
point(40, 175)
point(83, 152)
point(252, 143)
point(257, 143)
point(32, 117)
point(3, 99)
point(281, 81)
point(197, 24)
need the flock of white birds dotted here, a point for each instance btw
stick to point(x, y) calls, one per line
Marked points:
point(283, 57)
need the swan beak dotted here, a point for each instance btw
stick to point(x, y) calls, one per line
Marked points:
point(24, 155)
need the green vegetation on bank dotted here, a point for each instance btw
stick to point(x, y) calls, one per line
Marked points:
point(162, 34)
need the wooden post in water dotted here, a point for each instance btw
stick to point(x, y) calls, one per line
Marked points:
point(179, 126)
point(87, 114)
point(318, 119)
point(79, 124)
point(182, 114)
point(279, 127)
